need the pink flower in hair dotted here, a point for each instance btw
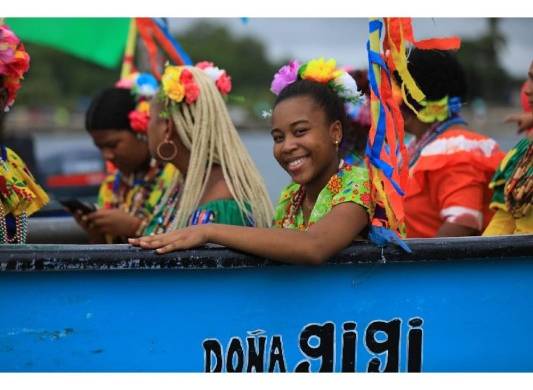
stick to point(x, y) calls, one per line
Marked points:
point(288, 74)
point(224, 83)
point(205, 64)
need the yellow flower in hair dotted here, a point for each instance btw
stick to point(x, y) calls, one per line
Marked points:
point(172, 85)
point(320, 70)
point(143, 107)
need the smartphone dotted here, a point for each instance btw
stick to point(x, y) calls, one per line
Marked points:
point(74, 205)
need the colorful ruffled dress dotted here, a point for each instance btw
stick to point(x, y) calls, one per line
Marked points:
point(20, 197)
point(137, 194)
point(349, 184)
point(449, 173)
point(513, 192)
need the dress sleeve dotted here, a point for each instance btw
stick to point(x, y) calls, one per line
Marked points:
point(458, 192)
point(354, 187)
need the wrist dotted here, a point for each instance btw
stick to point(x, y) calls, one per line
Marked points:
point(209, 231)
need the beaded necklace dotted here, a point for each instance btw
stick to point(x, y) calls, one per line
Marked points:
point(296, 202)
point(21, 221)
point(130, 193)
point(165, 211)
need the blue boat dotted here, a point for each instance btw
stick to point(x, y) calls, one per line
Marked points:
point(458, 304)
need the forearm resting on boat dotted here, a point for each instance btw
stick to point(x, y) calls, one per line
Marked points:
point(450, 229)
point(331, 234)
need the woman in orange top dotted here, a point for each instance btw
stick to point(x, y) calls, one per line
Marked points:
point(450, 166)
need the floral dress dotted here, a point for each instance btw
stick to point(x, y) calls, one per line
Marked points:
point(349, 184)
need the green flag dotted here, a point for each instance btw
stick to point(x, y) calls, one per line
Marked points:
point(99, 40)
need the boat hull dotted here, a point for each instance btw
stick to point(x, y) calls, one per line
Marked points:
point(465, 315)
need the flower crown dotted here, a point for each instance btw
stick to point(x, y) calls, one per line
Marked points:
point(143, 86)
point(14, 62)
point(179, 85)
point(320, 71)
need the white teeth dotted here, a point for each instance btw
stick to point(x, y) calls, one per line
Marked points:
point(296, 163)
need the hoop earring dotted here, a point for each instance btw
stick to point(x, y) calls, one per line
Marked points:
point(169, 156)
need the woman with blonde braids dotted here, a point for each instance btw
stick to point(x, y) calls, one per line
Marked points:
point(190, 127)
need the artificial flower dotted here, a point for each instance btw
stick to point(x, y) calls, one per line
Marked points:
point(145, 85)
point(346, 87)
point(192, 92)
point(143, 106)
point(224, 83)
point(204, 64)
point(320, 70)
point(214, 72)
point(139, 121)
point(288, 74)
point(172, 85)
point(127, 82)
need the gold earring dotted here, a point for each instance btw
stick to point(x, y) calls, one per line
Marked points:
point(165, 156)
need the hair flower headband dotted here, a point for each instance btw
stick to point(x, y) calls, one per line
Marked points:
point(179, 84)
point(14, 62)
point(320, 71)
point(143, 86)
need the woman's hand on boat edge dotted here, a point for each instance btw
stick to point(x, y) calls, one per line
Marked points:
point(189, 237)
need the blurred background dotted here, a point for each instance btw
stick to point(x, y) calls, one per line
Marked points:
point(46, 124)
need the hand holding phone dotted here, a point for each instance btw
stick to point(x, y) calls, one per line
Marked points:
point(74, 205)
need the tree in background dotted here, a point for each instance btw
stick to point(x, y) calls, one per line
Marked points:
point(244, 58)
point(486, 77)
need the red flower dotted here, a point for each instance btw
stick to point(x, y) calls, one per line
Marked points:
point(365, 198)
point(224, 83)
point(139, 121)
point(204, 64)
point(186, 77)
point(191, 92)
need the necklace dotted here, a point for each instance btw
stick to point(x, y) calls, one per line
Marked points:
point(296, 204)
point(21, 228)
point(21, 221)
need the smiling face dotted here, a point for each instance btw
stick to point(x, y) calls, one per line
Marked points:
point(122, 148)
point(304, 140)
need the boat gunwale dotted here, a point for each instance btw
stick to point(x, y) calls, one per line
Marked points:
point(70, 257)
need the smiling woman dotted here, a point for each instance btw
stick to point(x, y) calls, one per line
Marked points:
point(328, 205)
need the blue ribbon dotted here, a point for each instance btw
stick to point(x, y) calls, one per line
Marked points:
point(164, 28)
point(374, 152)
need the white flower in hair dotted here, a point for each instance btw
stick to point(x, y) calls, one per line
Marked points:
point(346, 87)
point(214, 72)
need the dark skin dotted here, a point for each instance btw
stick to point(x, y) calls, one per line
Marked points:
point(524, 120)
point(305, 145)
point(160, 130)
point(128, 154)
point(418, 128)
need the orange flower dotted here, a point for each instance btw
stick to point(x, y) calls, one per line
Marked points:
point(334, 184)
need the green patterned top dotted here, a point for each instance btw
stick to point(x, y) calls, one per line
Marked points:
point(349, 184)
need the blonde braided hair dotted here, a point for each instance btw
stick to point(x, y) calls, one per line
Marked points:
point(206, 130)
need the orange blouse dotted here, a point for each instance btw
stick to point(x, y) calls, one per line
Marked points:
point(449, 182)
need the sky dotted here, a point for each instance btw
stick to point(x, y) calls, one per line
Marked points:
point(345, 38)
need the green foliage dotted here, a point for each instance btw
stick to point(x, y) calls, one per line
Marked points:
point(486, 77)
point(244, 58)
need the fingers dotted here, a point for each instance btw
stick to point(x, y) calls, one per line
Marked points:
point(168, 248)
point(512, 118)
